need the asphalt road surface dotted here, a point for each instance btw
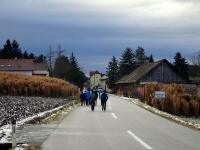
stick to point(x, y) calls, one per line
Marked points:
point(124, 126)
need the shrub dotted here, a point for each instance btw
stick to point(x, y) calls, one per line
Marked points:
point(181, 99)
point(23, 85)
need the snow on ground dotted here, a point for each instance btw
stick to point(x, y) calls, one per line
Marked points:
point(187, 121)
point(25, 109)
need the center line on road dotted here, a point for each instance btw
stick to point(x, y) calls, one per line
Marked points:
point(114, 116)
point(139, 140)
point(109, 107)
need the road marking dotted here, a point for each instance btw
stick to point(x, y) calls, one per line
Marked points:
point(114, 116)
point(139, 140)
point(109, 107)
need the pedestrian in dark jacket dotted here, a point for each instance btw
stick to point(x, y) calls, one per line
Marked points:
point(92, 100)
point(88, 96)
point(104, 98)
point(82, 97)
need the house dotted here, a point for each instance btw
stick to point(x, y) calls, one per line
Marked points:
point(158, 72)
point(24, 66)
point(95, 77)
point(103, 83)
point(98, 79)
point(194, 73)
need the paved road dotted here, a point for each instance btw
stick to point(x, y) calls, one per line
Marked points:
point(124, 126)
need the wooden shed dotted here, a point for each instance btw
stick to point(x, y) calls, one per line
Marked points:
point(157, 72)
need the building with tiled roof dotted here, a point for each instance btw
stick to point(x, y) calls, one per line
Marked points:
point(24, 66)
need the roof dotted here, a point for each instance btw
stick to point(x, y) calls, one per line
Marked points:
point(21, 65)
point(141, 71)
point(104, 77)
point(94, 72)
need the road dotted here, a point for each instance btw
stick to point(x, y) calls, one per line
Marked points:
point(124, 126)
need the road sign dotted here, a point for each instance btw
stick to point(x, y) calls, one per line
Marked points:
point(159, 94)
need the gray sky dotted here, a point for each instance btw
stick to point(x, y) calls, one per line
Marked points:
point(98, 29)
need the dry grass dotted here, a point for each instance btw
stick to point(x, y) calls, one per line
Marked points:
point(180, 99)
point(22, 85)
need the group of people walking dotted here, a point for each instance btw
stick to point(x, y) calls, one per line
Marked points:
point(89, 97)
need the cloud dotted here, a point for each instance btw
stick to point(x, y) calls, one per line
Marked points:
point(102, 27)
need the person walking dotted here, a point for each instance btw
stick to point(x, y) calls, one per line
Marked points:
point(88, 96)
point(82, 98)
point(93, 100)
point(104, 98)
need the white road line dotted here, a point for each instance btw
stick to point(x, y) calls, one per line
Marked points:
point(109, 107)
point(139, 140)
point(114, 116)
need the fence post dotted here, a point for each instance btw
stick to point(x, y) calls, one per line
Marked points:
point(13, 134)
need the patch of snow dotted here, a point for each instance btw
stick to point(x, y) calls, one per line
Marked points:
point(6, 130)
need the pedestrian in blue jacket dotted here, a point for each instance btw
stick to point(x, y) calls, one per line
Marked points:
point(88, 97)
point(104, 98)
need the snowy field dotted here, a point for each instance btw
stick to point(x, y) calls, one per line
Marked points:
point(19, 108)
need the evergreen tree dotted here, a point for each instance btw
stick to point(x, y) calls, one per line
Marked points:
point(140, 55)
point(76, 76)
point(112, 73)
point(180, 64)
point(40, 59)
point(6, 52)
point(127, 62)
point(31, 56)
point(62, 67)
point(25, 55)
point(16, 51)
point(151, 58)
point(74, 62)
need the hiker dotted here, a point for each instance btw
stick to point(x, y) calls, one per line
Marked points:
point(88, 97)
point(104, 98)
point(92, 100)
point(82, 98)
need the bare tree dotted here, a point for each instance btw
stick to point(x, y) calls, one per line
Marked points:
point(51, 59)
point(196, 58)
point(60, 51)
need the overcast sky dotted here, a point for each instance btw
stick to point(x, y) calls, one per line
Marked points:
point(98, 29)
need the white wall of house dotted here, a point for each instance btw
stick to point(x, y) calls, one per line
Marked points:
point(42, 73)
point(22, 72)
point(104, 85)
point(95, 80)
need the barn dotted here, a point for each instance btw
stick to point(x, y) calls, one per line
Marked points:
point(157, 72)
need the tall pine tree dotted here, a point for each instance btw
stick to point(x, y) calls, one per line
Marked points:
point(76, 76)
point(151, 60)
point(181, 64)
point(62, 67)
point(127, 62)
point(140, 55)
point(6, 52)
point(112, 73)
point(16, 51)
